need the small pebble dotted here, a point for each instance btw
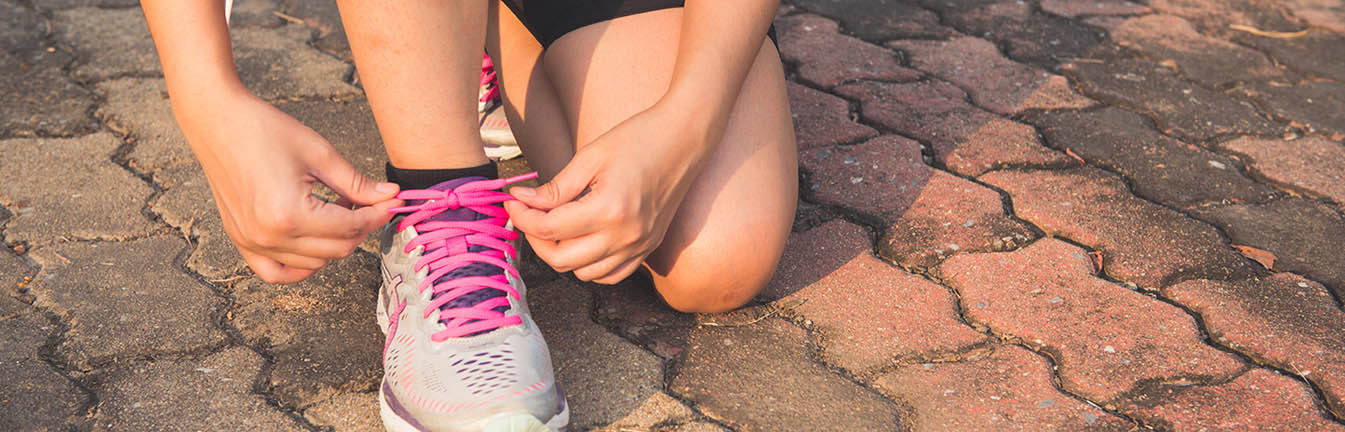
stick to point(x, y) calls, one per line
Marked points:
point(1219, 165)
point(1089, 418)
point(1045, 403)
point(1056, 299)
point(856, 180)
point(1109, 349)
point(968, 223)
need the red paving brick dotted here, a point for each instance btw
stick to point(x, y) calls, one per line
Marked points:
point(1212, 17)
point(1141, 242)
point(994, 82)
point(1260, 400)
point(930, 214)
point(821, 119)
point(967, 140)
point(1205, 59)
point(812, 255)
point(869, 314)
point(1010, 389)
point(1106, 339)
point(1027, 35)
point(1309, 164)
point(1284, 320)
point(827, 58)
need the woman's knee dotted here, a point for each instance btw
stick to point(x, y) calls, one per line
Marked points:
point(715, 282)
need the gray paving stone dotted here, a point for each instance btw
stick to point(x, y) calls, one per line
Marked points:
point(1317, 53)
point(1077, 8)
point(1212, 17)
point(21, 29)
point(124, 300)
point(38, 99)
point(321, 332)
point(279, 64)
point(187, 205)
point(1325, 14)
point(879, 20)
point(1304, 236)
point(349, 126)
point(47, 5)
point(139, 108)
point(322, 16)
point(353, 412)
point(1158, 167)
point(187, 395)
point(1027, 35)
point(605, 378)
point(15, 276)
point(1316, 105)
point(994, 82)
point(761, 377)
point(1210, 61)
point(658, 410)
point(261, 13)
point(825, 58)
point(1183, 109)
point(109, 42)
point(69, 188)
point(34, 397)
point(967, 140)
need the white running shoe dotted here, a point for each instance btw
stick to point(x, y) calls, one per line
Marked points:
point(495, 132)
point(462, 352)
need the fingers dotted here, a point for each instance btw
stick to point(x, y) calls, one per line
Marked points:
point(571, 254)
point(329, 220)
point(621, 273)
point(324, 248)
point(565, 187)
point(609, 271)
point(575, 219)
point(335, 172)
point(273, 271)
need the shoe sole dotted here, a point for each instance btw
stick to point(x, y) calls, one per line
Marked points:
point(500, 423)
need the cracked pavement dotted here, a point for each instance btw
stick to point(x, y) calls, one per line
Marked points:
point(1014, 215)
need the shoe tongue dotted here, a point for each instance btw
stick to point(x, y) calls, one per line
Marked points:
point(473, 269)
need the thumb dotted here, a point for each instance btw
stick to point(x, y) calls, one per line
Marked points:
point(333, 170)
point(565, 187)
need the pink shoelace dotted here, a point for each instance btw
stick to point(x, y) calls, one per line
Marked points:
point(446, 246)
point(488, 79)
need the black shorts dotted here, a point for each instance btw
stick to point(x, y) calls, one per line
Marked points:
point(548, 20)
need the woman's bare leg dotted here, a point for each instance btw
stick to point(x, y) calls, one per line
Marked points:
point(420, 63)
point(727, 237)
point(536, 117)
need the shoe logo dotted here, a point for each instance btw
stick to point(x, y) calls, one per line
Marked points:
point(393, 305)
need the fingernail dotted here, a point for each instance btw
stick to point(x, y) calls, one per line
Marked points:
point(526, 192)
point(385, 187)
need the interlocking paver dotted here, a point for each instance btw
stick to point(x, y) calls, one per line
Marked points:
point(1304, 236)
point(1257, 400)
point(349, 126)
point(38, 100)
point(1317, 53)
point(1212, 17)
point(811, 255)
point(324, 17)
point(47, 5)
point(1141, 242)
point(760, 378)
point(320, 332)
point(1284, 320)
point(903, 316)
point(605, 378)
point(994, 82)
point(635, 311)
point(1205, 59)
point(256, 13)
point(34, 396)
point(1321, 13)
point(187, 394)
point(967, 140)
point(1186, 110)
point(139, 108)
point(1318, 105)
point(880, 20)
point(1310, 164)
point(21, 28)
point(1106, 339)
point(826, 58)
point(279, 64)
point(188, 205)
point(930, 214)
point(1159, 167)
point(659, 409)
point(1009, 389)
point(69, 188)
point(110, 42)
point(821, 119)
point(348, 412)
point(124, 300)
point(1078, 8)
point(1027, 35)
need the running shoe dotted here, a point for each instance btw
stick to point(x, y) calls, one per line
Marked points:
point(462, 352)
point(495, 132)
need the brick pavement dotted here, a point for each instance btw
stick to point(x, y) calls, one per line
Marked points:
point(1015, 215)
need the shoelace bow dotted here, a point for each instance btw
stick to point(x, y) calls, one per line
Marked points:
point(488, 78)
point(446, 246)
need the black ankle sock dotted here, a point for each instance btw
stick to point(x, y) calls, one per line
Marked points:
point(424, 178)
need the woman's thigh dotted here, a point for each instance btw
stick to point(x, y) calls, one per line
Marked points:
point(727, 236)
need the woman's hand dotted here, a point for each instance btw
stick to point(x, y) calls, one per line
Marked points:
point(635, 176)
point(261, 164)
